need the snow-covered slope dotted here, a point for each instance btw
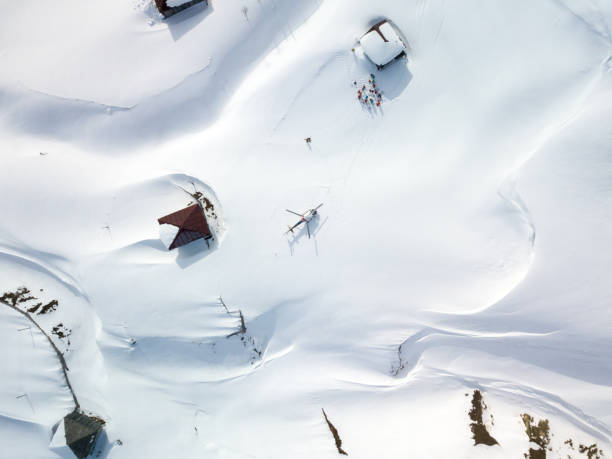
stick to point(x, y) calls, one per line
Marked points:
point(463, 243)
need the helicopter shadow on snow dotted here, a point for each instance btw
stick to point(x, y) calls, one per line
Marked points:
point(298, 235)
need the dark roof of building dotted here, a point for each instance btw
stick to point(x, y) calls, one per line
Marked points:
point(192, 225)
point(190, 218)
point(167, 11)
point(81, 432)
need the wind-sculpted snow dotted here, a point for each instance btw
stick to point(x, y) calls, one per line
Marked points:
point(463, 243)
point(88, 114)
point(34, 259)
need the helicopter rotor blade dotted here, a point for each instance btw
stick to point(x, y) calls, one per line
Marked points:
point(291, 228)
point(318, 206)
point(295, 213)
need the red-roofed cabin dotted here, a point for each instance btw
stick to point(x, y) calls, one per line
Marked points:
point(185, 226)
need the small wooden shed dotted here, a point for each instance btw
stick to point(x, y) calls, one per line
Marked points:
point(81, 432)
point(168, 8)
point(184, 226)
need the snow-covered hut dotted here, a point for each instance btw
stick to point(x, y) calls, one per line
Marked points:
point(184, 226)
point(169, 7)
point(382, 43)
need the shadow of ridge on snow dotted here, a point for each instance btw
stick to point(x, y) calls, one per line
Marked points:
point(205, 342)
point(191, 105)
point(38, 261)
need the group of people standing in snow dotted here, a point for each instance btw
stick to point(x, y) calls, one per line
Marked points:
point(369, 95)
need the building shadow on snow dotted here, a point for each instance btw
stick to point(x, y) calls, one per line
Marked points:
point(194, 252)
point(103, 446)
point(156, 244)
point(394, 78)
point(185, 20)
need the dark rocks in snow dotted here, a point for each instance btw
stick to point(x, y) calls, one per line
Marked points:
point(61, 331)
point(539, 434)
point(335, 433)
point(49, 307)
point(479, 431)
point(22, 295)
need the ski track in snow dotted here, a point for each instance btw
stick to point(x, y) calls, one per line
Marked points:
point(300, 93)
point(604, 34)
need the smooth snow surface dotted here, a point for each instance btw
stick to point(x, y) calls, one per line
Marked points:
point(378, 50)
point(464, 242)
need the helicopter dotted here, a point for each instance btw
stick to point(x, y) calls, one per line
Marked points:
point(304, 218)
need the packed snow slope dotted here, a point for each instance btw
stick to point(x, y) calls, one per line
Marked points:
point(464, 242)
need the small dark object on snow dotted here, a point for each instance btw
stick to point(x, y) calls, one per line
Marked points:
point(49, 307)
point(479, 431)
point(335, 434)
point(539, 434)
point(167, 11)
point(308, 139)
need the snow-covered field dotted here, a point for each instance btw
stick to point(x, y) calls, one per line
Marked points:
point(463, 243)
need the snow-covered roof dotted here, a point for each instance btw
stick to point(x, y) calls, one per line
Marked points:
point(379, 51)
point(167, 233)
point(172, 3)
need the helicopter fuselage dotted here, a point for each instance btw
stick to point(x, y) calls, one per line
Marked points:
point(304, 218)
point(309, 215)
